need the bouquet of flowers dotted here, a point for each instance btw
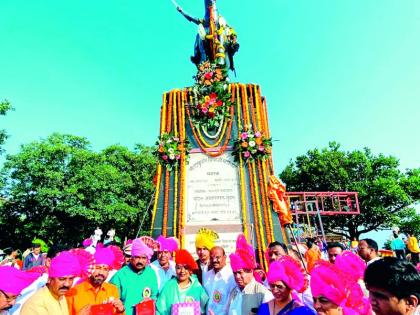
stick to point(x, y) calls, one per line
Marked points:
point(169, 149)
point(212, 101)
point(252, 145)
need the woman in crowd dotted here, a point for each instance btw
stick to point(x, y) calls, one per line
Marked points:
point(184, 288)
point(285, 278)
point(11, 258)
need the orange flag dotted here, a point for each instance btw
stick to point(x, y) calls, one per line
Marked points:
point(281, 205)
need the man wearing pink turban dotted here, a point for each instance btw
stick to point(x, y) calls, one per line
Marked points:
point(335, 293)
point(95, 290)
point(164, 266)
point(12, 282)
point(50, 300)
point(136, 281)
point(248, 294)
point(285, 277)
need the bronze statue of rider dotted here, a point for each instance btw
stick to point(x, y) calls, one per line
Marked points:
point(214, 39)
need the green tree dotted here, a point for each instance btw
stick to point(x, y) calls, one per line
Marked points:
point(5, 106)
point(59, 190)
point(385, 193)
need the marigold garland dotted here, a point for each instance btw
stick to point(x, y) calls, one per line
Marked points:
point(169, 117)
point(257, 102)
point(254, 210)
point(175, 200)
point(263, 244)
point(264, 201)
point(252, 104)
point(157, 191)
point(174, 106)
point(197, 138)
point(163, 115)
point(222, 134)
point(165, 204)
point(245, 104)
point(267, 147)
point(270, 218)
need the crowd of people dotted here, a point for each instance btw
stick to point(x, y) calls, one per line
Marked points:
point(148, 276)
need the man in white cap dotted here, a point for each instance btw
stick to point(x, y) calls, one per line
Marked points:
point(136, 282)
point(164, 266)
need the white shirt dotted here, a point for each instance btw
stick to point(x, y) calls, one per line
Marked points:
point(218, 287)
point(204, 271)
point(236, 307)
point(163, 275)
point(372, 261)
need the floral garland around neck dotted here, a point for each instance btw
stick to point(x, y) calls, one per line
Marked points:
point(251, 145)
point(212, 97)
point(169, 150)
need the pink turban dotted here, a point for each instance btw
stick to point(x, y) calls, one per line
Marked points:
point(87, 242)
point(289, 271)
point(64, 264)
point(170, 244)
point(139, 249)
point(13, 281)
point(76, 263)
point(244, 256)
point(351, 264)
point(110, 255)
point(327, 280)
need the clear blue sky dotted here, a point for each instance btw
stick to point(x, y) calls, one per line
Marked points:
point(338, 70)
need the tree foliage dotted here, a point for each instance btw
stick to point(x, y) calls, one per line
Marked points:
point(385, 193)
point(58, 189)
point(5, 106)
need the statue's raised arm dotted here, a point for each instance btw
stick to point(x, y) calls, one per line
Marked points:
point(189, 17)
point(215, 37)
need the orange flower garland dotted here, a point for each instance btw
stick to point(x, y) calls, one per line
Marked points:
point(252, 106)
point(157, 190)
point(165, 204)
point(163, 115)
point(263, 199)
point(265, 181)
point(175, 200)
point(254, 210)
point(169, 117)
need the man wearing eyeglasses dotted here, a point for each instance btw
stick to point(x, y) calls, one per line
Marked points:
point(12, 282)
point(219, 282)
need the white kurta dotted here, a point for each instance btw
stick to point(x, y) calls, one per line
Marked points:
point(218, 287)
point(162, 275)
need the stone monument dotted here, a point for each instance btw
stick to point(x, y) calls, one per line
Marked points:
point(214, 150)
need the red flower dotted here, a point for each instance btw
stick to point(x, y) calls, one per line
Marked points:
point(219, 103)
point(208, 75)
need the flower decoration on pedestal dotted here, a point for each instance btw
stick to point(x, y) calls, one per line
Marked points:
point(252, 145)
point(212, 98)
point(169, 150)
